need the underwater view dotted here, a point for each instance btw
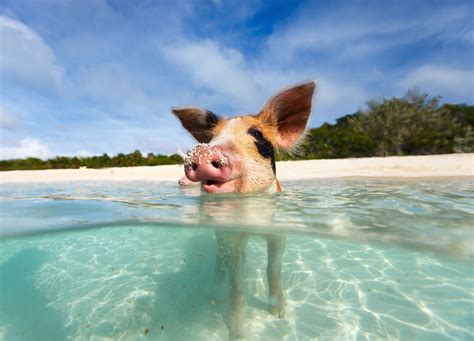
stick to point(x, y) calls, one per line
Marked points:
point(364, 259)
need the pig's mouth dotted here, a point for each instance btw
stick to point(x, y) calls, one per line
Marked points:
point(212, 182)
point(216, 186)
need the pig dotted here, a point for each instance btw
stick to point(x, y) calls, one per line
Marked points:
point(237, 155)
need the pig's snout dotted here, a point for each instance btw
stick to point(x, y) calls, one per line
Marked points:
point(206, 163)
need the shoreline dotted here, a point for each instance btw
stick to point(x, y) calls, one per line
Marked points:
point(407, 167)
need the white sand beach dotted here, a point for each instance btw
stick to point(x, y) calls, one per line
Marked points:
point(449, 165)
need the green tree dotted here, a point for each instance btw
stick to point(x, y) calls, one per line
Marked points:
point(412, 125)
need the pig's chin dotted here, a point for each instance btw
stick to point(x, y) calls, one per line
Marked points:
point(213, 186)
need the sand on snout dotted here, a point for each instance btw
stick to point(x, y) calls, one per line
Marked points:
point(448, 165)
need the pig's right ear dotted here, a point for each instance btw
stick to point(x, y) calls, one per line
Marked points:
point(289, 111)
point(197, 121)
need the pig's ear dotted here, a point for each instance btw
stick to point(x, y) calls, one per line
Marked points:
point(289, 110)
point(197, 121)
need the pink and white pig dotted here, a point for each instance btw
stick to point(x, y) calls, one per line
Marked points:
point(238, 155)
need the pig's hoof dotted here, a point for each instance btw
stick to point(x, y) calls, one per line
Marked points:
point(277, 305)
point(237, 333)
point(236, 327)
point(278, 311)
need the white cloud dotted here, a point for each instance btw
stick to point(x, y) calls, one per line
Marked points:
point(247, 86)
point(8, 119)
point(25, 57)
point(368, 31)
point(225, 77)
point(442, 80)
point(221, 70)
point(25, 148)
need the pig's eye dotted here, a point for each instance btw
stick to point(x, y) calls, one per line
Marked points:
point(255, 133)
point(264, 147)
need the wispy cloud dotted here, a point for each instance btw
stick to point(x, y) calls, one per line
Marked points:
point(453, 82)
point(26, 148)
point(359, 31)
point(224, 77)
point(26, 58)
point(222, 71)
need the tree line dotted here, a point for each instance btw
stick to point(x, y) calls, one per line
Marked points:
point(104, 161)
point(414, 124)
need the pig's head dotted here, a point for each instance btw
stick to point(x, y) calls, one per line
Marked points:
point(238, 154)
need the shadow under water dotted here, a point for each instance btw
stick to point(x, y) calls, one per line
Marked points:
point(25, 312)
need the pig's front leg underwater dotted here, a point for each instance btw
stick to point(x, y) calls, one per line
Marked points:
point(276, 297)
point(234, 261)
point(230, 261)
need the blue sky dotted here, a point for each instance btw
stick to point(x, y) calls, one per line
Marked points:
point(91, 77)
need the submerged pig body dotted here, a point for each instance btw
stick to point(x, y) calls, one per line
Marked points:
point(238, 155)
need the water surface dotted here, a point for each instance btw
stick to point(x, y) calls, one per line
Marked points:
point(365, 259)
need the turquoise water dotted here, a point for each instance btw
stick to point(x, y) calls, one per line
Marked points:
point(365, 259)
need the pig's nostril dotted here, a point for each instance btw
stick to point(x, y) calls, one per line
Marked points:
point(216, 164)
point(194, 166)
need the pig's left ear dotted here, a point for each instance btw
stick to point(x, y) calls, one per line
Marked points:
point(197, 121)
point(289, 110)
